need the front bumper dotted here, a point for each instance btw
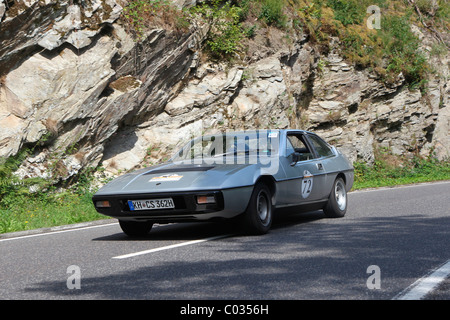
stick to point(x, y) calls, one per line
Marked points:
point(228, 204)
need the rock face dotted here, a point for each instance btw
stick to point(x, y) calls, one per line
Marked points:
point(77, 89)
point(69, 98)
point(357, 113)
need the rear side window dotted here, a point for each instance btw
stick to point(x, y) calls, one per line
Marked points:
point(321, 146)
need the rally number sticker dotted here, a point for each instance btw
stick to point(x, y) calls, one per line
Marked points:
point(167, 177)
point(307, 184)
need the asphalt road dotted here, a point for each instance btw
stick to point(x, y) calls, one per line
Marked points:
point(388, 240)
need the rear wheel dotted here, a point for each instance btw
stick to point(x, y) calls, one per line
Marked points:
point(259, 213)
point(135, 228)
point(336, 206)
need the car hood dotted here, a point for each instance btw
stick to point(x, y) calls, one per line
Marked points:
point(174, 177)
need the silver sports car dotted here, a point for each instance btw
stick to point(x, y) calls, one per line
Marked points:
point(234, 175)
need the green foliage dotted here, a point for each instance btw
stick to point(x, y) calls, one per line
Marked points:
point(225, 39)
point(25, 211)
point(272, 12)
point(246, 8)
point(390, 170)
point(443, 13)
point(142, 15)
point(347, 12)
point(12, 184)
point(400, 47)
point(31, 203)
point(388, 51)
point(226, 33)
point(22, 209)
point(9, 182)
point(234, 21)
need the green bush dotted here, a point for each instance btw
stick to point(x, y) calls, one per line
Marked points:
point(347, 12)
point(400, 47)
point(225, 40)
point(12, 184)
point(226, 33)
point(272, 12)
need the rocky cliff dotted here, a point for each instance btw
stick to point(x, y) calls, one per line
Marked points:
point(79, 90)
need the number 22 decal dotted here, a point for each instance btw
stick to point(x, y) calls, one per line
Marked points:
point(307, 183)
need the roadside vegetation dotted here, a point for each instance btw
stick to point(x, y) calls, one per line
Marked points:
point(391, 170)
point(33, 203)
point(389, 50)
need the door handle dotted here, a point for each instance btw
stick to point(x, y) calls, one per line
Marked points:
point(319, 166)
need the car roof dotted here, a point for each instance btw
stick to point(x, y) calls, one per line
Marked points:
point(239, 132)
point(298, 130)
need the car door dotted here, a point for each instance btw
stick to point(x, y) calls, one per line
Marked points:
point(326, 156)
point(305, 172)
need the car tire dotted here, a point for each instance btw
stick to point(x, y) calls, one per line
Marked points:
point(336, 206)
point(135, 228)
point(259, 214)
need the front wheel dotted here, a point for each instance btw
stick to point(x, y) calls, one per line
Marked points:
point(135, 228)
point(259, 213)
point(336, 206)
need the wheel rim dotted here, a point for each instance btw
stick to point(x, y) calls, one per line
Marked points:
point(341, 195)
point(262, 207)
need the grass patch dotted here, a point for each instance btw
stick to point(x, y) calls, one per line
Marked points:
point(271, 12)
point(27, 212)
point(32, 203)
point(139, 16)
point(390, 170)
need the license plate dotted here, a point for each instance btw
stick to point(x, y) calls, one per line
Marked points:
point(152, 204)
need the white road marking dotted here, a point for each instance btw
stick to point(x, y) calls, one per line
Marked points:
point(51, 232)
point(125, 256)
point(425, 285)
point(404, 186)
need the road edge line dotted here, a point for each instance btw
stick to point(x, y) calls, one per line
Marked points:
point(423, 286)
point(55, 230)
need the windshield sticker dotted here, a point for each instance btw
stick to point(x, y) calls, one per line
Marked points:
point(172, 177)
point(307, 184)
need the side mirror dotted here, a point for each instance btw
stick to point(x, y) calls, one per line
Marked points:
point(295, 158)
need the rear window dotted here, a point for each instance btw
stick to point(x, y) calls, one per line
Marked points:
point(321, 146)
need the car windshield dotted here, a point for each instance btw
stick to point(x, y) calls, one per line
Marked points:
point(261, 143)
